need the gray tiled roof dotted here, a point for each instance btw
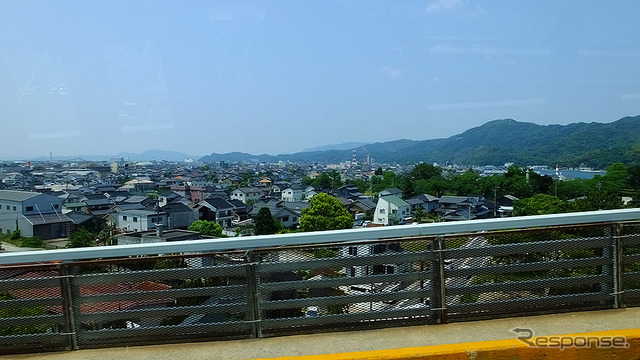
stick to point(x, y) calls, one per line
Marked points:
point(52, 218)
point(16, 195)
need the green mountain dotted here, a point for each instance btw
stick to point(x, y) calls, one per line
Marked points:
point(495, 143)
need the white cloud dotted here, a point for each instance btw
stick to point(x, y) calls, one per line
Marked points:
point(391, 72)
point(443, 5)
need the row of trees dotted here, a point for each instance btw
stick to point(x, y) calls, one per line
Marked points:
point(538, 193)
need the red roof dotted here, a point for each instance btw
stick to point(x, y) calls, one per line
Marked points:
point(86, 290)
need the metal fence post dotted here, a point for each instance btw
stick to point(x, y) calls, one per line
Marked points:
point(608, 285)
point(67, 305)
point(253, 301)
point(618, 269)
point(438, 300)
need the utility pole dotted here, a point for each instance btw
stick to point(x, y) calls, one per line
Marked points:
point(495, 202)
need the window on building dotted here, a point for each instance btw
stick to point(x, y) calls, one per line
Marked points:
point(285, 218)
point(8, 207)
point(29, 208)
point(353, 250)
point(135, 219)
point(379, 249)
point(14, 208)
point(382, 211)
point(124, 217)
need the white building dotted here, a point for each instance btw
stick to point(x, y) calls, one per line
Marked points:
point(34, 214)
point(245, 194)
point(141, 220)
point(391, 209)
point(292, 194)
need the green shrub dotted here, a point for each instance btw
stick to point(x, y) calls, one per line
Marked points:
point(34, 242)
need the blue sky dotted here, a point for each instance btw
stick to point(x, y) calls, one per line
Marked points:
point(85, 77)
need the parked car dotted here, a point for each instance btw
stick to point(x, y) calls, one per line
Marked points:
point(312, 311)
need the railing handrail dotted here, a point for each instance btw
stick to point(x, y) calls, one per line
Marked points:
point(334, 236)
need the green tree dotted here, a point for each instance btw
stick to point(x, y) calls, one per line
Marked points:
point(336, 179)
point(425, 172)
point(615, 178)
point(266, 223)
point(322, 181)
point(325, 213)
point(597, 200)
point(81, 238)
point(204, 227)
point(539, 204)
point(105, 236)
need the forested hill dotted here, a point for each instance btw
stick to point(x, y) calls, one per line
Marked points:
point(495, 143)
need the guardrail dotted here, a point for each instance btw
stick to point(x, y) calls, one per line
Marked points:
point(300, 283)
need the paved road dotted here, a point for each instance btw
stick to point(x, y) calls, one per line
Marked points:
point(12, 248)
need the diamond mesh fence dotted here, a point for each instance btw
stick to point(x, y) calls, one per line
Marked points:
point(512, 273)
point(313, 288)
point(32, 308)
point(630, 267)
point(344, 286)
point(160, 299)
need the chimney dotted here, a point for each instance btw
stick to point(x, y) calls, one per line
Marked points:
point(159, 231)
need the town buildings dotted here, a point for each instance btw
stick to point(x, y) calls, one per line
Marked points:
point(52, 199)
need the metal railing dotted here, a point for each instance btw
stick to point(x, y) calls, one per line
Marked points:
point(300, 283)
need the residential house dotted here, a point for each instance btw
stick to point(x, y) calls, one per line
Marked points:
point(247, 194)
point(289, 213)
point(454, 208)
point(363, 206)
point(180, 215)
point(98, 204)
point(390, 210)
point(230, 180)
point(350, 191)
point(195, 194)
point(139, 185)
point(308, 193)
point(292, 194)
point(392, 191)
point(428, 203)
point(371, 249)
point(241, 213)
point(216, 209)
point(505, 204)
point(141, 220)
point(34, 214)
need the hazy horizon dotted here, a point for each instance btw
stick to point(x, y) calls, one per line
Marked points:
point(277, 77)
